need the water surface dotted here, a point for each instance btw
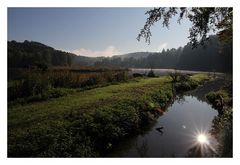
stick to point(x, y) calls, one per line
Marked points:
point(175, 133)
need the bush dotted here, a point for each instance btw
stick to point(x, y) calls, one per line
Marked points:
point(57, 92)
point(183, 86)
point(151, 73)
point(183, 78)
point(120, 76)
point(184, 83)
point(174, 76)
point(137, 75)
point(162, 98)
point(219, 99)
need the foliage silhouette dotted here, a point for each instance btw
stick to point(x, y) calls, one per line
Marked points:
point(204, 20)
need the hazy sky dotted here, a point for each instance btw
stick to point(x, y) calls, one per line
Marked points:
point(92, 31)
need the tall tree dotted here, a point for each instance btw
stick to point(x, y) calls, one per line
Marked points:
point(204, 20)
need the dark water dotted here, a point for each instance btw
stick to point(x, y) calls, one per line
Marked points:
point(188, 116)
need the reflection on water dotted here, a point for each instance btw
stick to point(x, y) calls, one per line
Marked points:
point(182, 120)
point(142, 149)
point(199, 150)
point(175, 133)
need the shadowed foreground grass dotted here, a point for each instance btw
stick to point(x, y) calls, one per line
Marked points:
point(87, 123)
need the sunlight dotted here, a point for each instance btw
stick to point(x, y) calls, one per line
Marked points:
point(201, 138)
point(202, 144)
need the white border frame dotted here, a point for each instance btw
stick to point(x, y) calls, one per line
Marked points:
point(118, 3)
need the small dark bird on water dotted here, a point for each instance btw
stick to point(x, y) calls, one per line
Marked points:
point(159, 129)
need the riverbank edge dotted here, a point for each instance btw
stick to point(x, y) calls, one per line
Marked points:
point(222, 128)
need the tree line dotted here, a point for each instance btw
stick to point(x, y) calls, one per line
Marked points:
point(209, 57)
point(30, 53)
point(212, 56)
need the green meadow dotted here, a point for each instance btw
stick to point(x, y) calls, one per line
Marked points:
point(88, 123)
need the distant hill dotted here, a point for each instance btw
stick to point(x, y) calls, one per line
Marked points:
point(29, 53)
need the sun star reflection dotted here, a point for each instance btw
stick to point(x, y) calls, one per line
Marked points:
point(201, 138)
point(203, 144)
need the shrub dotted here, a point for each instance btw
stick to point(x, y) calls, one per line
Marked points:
point(137, 75)
point(185, 83)
point(183, 77)
point(151, 73)
point(57, 92)
point(182, 86)
point(162, 97)
point(120, 76)
point(219, 99)
point(174, 76)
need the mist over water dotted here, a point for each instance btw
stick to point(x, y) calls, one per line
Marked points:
point(161, 72)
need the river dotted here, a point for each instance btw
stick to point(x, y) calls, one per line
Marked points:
point(183, 131)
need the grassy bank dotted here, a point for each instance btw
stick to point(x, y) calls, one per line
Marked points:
point(88, 123)
point(222, 124)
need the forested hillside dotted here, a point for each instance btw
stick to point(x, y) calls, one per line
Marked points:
point(210, 57)
point(30, 53)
